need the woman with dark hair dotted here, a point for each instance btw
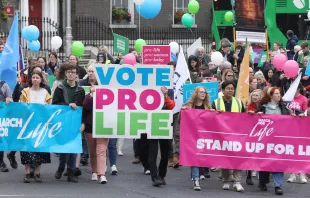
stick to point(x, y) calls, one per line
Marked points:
point(53, 64)
point(268, 75)
point(193, 67)
point(43, 64)
point(35, 93)
point(60, 76)
point(272, 104)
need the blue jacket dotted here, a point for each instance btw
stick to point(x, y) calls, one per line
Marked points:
point(291, 42)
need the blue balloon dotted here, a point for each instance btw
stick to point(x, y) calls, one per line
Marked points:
point(34, 45)
point(149, 9)
point(24, 32)
point(32, 33)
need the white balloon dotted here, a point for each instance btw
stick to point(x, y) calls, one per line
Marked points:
point(217, 58)
point(308, 14)
point(174, 46)
point(56, 42)
point(139, 2)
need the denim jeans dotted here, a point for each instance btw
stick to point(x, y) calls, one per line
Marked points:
point(195, 172)
point(71, 163)
point(112, 151)
point(85, 149)
point(278, 179)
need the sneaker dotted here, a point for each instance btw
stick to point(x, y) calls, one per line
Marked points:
point(94, 177)
point(157, 182)
point(226, 186)
point(113, 170)
point(278, 191)
point(302, 178)
point(37, 178)
point(292, 178)
point(163, 181)
point(77, 172)
point(202, 177)
point(103, 179)
point(58, 173)
point(12, 160)
point(147, 172)
point(27, 178)
point(197, 185)
point(136, 161)
point(3, 167)
point(254, 174)
point(238, 187)
point(120, 153)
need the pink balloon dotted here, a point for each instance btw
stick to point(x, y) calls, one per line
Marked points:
point(130, 59)
point(291, 68)
point(279, 61)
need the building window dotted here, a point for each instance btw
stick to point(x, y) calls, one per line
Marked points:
point(122, 13)
point(180, 8)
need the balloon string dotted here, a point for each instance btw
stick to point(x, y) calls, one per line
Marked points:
point(192, 33)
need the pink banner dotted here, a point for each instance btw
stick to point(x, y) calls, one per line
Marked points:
point(156, 54)
point(246, 142)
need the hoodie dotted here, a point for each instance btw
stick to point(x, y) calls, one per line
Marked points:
point(291, 42)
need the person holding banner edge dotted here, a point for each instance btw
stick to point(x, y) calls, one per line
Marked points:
point(228, 103)
point(35, 93)
point(199, 100)
point(272, 103)
point(69, 93)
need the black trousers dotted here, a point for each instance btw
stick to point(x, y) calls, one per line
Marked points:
point(264, 177)
point(136, 148)
point(2, 155)
point(149, 153)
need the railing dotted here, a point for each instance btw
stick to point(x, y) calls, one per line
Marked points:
point(93, 32)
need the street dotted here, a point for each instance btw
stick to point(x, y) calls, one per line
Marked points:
point(130, 182)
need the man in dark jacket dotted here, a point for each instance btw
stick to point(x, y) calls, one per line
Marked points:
point(291, 42)
point(239, 54)
point(71, 94)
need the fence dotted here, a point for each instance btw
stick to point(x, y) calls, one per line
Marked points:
point(93, 32)
point(48, 29)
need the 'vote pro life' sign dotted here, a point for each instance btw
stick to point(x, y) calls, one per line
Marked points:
point(128, 101)
point(156, 54)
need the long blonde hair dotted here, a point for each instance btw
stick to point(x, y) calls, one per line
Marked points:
point(259, 91)
point(191, 103)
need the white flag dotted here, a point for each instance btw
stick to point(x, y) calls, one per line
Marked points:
point(193, 48)
point(181, 75)
point(290, 94)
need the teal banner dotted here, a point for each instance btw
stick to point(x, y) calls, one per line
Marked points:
point(40, 128)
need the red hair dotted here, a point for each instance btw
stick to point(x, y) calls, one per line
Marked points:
point(268, 93)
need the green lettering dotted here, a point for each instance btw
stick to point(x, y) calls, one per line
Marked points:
point(160, 124)
point(121, 123)
point(135, 125)
point(100, 130)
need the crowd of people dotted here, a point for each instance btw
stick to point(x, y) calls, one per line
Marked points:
point(267, 86)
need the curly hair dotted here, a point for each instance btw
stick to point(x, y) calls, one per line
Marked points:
point(191, 103)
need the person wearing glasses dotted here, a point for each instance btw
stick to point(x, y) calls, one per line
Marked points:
point(69, 93)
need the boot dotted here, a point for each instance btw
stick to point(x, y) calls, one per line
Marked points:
point(71, 176)
point(170, 162)
point(176, 162)
point(58, 173)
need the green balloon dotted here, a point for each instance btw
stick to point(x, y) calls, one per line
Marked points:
point(187, 20)
point(139, 43)
point(229, 16)
point(193, 6)
point(78, 48)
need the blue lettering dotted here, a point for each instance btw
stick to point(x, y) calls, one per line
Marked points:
point(120, 78)
point(105, 79)
point(145, 75)
point(162, 77)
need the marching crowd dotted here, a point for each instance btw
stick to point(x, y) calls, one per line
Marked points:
point(267, 86)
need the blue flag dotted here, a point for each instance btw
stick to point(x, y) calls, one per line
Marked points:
point(10, 56)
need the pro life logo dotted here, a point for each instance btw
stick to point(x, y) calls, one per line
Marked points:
point(300, 4)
